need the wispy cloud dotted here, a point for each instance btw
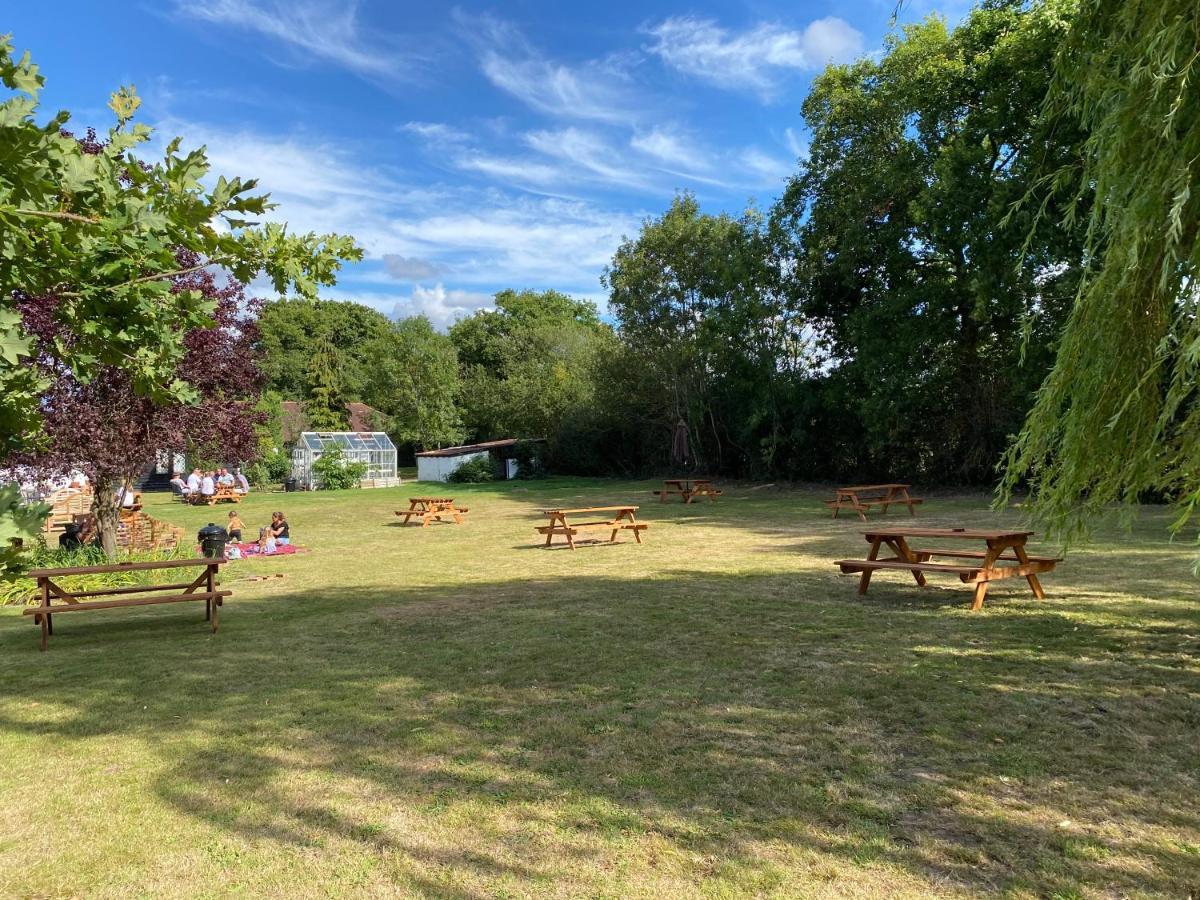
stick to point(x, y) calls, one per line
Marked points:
point(670, 148)
point(753, 59)
point(471, 239)
point(593, 90)
point(323, 29)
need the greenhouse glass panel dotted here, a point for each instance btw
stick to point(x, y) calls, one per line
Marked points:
point(374, 448)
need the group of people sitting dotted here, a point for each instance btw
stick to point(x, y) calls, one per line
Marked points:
point(270, 539)
point(205, 484)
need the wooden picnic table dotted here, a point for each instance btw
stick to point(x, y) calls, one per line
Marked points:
point(861, 497)
point(203, 587)
point(1002, 546)
point(223, 493)
point(429, 508)
point(688, 488)
point(623, 519)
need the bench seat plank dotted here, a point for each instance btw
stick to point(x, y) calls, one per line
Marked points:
point(858, 565)
point(132, 601)
point(981, 554)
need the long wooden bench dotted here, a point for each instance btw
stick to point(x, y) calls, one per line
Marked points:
point(624, 520)
point(203, 587)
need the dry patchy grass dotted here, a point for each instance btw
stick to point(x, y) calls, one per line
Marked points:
point(456, 712)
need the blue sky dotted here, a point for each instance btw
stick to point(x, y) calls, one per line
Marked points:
point(468, 148)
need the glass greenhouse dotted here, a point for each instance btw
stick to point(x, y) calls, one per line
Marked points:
point(371, 447)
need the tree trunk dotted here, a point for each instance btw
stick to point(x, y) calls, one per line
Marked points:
point(106, 511)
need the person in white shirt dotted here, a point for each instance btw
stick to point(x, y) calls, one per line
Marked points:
point(224, 478)
point(193, 482)
point(243, 485)
point(207, 487)
point(125, 497)
point(180, 486)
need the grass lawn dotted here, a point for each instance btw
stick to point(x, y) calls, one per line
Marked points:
point(456, 712)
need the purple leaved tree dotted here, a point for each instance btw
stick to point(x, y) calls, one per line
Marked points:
point(112, 433)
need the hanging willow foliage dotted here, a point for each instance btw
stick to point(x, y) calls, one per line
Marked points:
point(1118, 416)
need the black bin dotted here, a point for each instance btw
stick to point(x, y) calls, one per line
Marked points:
point(289, 485)
point(212, 540)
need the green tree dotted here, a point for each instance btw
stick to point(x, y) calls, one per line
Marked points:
point(98, 228)
point(709, 333)
point(529, 365)
point(414, 382)
point(1118, 414)
point(911, 263)
point(326, 406)
point(289, 331)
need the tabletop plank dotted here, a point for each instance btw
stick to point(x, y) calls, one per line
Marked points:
point(557, 511)
point(977, 534)
point(125, 567)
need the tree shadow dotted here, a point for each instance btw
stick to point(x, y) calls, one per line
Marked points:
point(718, 713)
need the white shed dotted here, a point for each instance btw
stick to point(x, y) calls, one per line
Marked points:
point(436, 465)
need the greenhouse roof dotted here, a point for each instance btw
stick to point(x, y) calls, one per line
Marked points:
point(347, 440)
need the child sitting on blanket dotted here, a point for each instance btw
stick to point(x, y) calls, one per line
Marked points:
point(235, 527)
point(266, 541)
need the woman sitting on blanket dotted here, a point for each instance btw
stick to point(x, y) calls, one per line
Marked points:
point(279, 529)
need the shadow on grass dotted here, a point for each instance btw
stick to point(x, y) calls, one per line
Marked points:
point(720, 714)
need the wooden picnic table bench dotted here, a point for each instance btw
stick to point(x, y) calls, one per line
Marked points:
point(1002, 546)
point(429, 508)
point(223, 493)
point(862, 497)
point(622, 520)
point(688, 488)
point(203, 587)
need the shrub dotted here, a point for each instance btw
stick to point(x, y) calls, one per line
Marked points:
point(272, 468)
point(24, 590)
point(335, 473)
point(529, 461)
point(474, 471)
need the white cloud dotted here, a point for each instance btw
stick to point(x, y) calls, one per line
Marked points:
point(796, 144)
point(440, 306)
point(326, 29)
point(594, 90)
point(589, 154)
point(752, 59)
point(436, 132)
point(670, 149)
point(766, 169)
point(475, 238)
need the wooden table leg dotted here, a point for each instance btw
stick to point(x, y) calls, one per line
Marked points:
point(982, 579)
point(981, 589)
point(1034, 584)
point(864, 580)
point(44, 618)
point(637, 535)
point(210, 605)
point(900, 545)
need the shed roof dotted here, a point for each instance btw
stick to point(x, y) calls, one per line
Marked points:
point(476, 448)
